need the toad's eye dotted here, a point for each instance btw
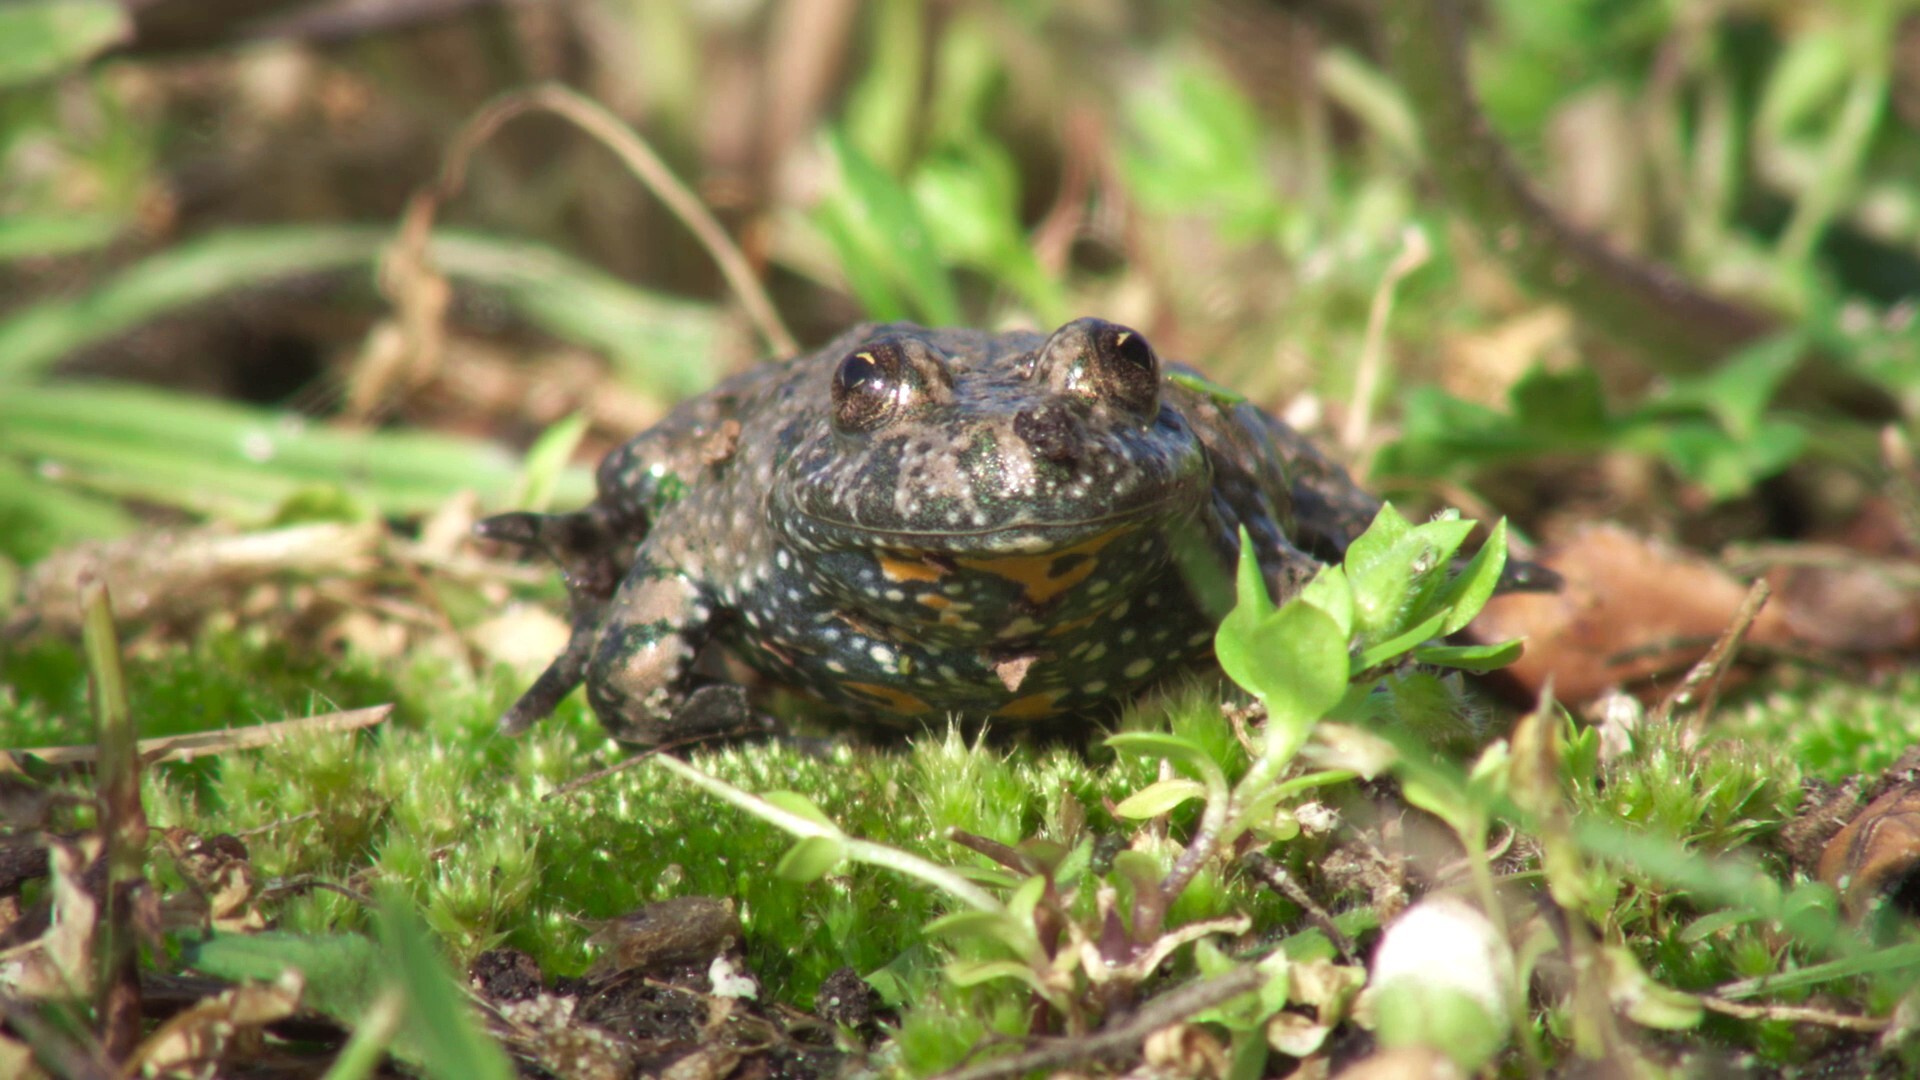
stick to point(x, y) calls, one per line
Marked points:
point(868, 387)
point(1102, 363)
point(1128, 370)
point(1131, 348)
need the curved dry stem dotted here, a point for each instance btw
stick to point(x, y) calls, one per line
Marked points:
point(639, 158)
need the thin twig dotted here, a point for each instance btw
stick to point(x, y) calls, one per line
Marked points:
point(1167, 1009)
point(1746, 559)
point(1701, 688)
point(1282, 882)
point(1801, 1014)
point(597, 775)
point(205, 743)
point(278, 823)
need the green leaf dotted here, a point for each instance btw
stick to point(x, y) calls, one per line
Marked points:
point(811, 858)
point(1644, 1000)
point(1156, 799)
point(1295, 661)
point(215, 457)
point(440, 1022)
point(1471, 588)
point(1726, 466)
point(800, 806)
point(1408, 1013)
point(1195, 145)
point(1200, 384)
point(876, 226)
point(1388, 528)
point(547, 459)
point(975, 972)
point(1560, 401)
point(661, 343)
point(343, 972)
point(1404, 642)
point(1475, 658)
point(1026, 899)
point(1738, 390)
point(1331, 592)
point(1178, 749)
point(24, 236)
point(1706, 926)
point(1805, 83)
point(1398, 576)
point(979, 925)
point(39, 38)
point(969, 197)
point(38, 515)
point(1139, 869)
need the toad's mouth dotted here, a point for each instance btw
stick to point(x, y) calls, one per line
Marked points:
point(1037, 536)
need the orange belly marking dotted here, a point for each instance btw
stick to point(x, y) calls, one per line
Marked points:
point(890, 698)
point(1034, 573)
point(1031, 707)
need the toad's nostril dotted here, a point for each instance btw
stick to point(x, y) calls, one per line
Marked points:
point(1050, 431)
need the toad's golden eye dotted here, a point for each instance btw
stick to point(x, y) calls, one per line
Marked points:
point(867, 387)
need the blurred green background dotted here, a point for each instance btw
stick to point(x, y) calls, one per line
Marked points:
point(195, 196)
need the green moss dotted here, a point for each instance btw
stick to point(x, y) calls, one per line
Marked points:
point(1832, 728)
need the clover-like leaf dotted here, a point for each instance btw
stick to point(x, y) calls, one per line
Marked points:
point(811, 858)
point(800, 806)
point(1156, 799)
point(1295, 661)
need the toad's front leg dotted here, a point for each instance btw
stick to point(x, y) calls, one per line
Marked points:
point(641, 681)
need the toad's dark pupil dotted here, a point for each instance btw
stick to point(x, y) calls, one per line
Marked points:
point(861, 374)
point(1133, 349)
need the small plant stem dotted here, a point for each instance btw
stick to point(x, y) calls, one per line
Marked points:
point(1206, 840)
point(1846, 144)
point(1413, 254)
point(123, 825)
point(865, 851)
point(1797, 1014)
point(371, 1036)
point(1163, 1011)
point(1261, 775)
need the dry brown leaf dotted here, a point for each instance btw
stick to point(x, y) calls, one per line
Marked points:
point(59, 964)
point(202, 1034)
point(677, 930)
point(187, 573)
point(1630, 609)
point(1877, 854)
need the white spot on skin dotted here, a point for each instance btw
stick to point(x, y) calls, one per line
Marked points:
point(881, 655)
point(1094, 687)
point(1139, 668)
point(1099, 650)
